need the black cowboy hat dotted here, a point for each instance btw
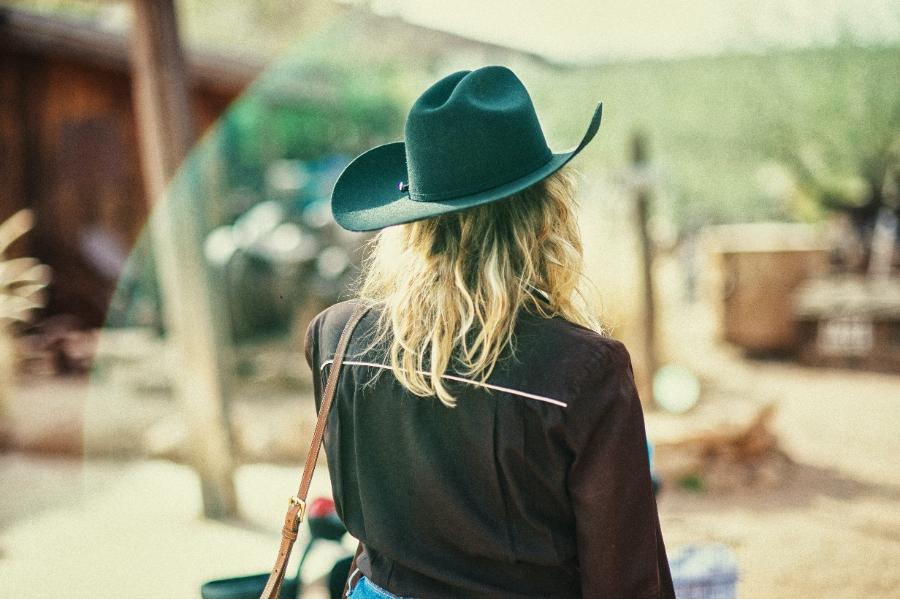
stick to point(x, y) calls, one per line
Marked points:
point(471, 138)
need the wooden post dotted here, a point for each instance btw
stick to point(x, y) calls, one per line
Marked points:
point(195, 321)
point(640, 161)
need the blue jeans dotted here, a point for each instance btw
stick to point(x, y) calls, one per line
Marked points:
point(366, 589)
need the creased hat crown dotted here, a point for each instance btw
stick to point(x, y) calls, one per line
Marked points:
point(472, 131)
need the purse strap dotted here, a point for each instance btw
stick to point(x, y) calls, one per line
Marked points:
point(297, 504)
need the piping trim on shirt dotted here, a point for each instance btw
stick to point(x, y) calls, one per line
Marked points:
point(499, 388)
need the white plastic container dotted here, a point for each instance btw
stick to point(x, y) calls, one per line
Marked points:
point(704, 571)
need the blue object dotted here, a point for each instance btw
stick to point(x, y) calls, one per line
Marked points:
point(654, 478)
point(364, 588)
point(704, 571)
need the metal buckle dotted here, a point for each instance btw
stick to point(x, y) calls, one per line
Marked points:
point(295, 501)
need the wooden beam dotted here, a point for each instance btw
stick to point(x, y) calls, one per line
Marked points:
point(22, 32)
point(194, 317)
point(640, 160)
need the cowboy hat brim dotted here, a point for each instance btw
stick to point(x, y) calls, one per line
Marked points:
point(366, 196)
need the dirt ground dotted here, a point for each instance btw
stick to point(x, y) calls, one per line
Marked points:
point(97, 527)
point(831, 526)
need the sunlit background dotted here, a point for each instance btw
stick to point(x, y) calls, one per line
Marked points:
point(166, 237)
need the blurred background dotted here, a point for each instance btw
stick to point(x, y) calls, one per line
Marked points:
point(166, 237)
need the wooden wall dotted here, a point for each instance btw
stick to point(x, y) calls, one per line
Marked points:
point(68, 150)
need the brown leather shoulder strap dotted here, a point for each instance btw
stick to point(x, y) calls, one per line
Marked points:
point(297, 507)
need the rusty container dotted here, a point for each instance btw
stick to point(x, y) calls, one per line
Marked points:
point(756, 269)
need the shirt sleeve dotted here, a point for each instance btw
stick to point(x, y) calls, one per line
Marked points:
point(310, 349)
point(309, 342)
point(621, 553)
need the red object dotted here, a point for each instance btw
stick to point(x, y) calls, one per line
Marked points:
point(321, 508)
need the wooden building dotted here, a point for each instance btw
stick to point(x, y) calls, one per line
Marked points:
point(68, 148)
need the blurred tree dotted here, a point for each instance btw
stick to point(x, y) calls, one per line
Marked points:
point(843, 150)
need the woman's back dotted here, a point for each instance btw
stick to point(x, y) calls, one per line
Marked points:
point(535, 484)
point(485, 439)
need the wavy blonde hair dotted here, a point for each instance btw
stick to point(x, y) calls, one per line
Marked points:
point(452, 286)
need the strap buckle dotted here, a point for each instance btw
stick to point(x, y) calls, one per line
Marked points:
point(301, 511)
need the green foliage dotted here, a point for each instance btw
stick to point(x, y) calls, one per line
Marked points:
point(692, 483)
point(296, 112)
point(843, 143)
point(714, 122)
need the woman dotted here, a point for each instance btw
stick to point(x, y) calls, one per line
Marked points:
point(486, 440)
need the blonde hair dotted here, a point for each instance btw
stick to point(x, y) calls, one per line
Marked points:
point(451, 286)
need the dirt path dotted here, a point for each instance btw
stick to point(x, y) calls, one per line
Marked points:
point(832, 529)
point(105, 529)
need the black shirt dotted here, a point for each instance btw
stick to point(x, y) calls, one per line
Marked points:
point(537, 486)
